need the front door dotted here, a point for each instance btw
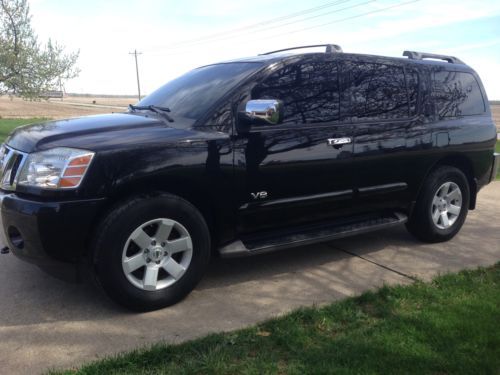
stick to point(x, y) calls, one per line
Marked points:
point(296, 172)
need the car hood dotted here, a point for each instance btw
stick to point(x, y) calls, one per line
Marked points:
point(96, 132)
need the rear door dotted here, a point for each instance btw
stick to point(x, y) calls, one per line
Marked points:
point(290, 173)
point(383, 106)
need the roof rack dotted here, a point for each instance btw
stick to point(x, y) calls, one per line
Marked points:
point(330, 48)
point(423, 55)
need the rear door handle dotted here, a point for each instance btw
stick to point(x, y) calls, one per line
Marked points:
point(338, 142)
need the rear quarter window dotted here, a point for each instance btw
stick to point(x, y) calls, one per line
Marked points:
point(457, 94)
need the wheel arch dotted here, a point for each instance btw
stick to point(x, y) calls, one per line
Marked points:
point(191, 191)
point(464, 164)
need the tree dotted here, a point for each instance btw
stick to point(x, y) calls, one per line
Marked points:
point(28, 68)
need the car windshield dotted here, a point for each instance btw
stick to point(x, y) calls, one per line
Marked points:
point(192, 94)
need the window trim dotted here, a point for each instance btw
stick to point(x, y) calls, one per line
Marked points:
point(286, 127)
point(419, 90)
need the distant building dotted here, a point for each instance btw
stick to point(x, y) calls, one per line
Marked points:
point(52, 94)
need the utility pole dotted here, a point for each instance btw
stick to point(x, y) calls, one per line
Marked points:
point(135, 53)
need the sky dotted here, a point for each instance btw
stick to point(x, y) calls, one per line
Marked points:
point(177, 36)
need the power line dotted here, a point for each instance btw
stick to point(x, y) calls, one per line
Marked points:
point(315, 26)
point(318, 15)
point(348, 18)
point(135, 53)
point(233, 35)
point(262, 23)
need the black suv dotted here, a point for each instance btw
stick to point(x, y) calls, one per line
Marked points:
point(245, 157)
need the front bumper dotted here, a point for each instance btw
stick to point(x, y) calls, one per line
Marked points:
point(52, 235)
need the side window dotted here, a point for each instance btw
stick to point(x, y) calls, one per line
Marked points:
point(457, 94)
point(379, 91)
point(308, 90)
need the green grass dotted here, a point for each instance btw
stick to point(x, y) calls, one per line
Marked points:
point(450, 325)
point(7, 125)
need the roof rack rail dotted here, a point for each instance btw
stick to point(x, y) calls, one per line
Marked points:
point(423, 55)
point(330, 48)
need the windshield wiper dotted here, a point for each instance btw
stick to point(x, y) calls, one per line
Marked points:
point(154, 108)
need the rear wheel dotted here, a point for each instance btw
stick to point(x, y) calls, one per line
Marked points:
point(151, 251)
point(442, 206)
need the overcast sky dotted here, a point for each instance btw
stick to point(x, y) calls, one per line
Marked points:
point(176, 36)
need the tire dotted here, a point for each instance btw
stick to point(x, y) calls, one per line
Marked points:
point(127, 257)
point(422, 224)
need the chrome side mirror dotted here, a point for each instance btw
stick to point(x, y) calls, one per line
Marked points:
point(262, 112)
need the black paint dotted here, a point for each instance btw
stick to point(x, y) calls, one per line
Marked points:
point(403, 117)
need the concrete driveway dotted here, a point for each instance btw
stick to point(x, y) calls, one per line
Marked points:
point(45, 323)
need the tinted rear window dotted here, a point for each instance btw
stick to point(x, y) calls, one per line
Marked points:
point(380, 91)
point(457, 94)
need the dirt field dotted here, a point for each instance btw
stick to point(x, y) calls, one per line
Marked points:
point(55, 108)
point(73, 106)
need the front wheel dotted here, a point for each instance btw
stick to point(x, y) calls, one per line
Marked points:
point(150, 252)
point(442, 206)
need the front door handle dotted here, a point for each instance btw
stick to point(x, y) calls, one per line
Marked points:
point(338, 142)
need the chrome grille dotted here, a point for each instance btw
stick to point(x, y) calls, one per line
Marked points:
point(11, 162)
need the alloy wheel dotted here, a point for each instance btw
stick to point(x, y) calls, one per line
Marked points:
point(157, 254)
point(446, 205)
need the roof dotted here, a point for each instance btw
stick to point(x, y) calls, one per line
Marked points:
point(334, 50)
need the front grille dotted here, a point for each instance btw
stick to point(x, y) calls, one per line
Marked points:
point(11, 162)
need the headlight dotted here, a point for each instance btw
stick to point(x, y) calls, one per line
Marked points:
point(58, 168)
point(3, 151)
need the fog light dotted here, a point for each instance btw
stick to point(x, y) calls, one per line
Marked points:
point(15, 237)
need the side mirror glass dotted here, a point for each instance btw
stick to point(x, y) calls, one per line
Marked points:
point(261, 112)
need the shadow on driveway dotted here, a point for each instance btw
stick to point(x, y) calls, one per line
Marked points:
point(46, 323)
